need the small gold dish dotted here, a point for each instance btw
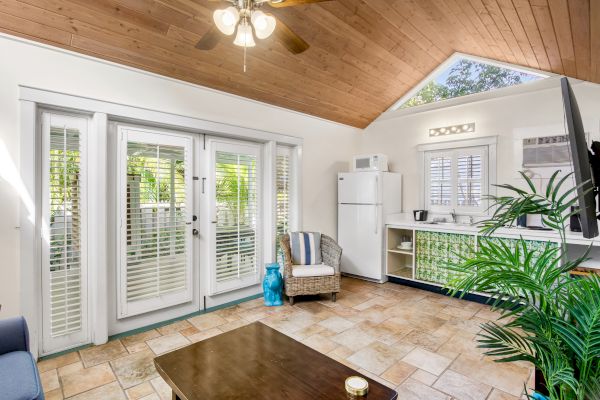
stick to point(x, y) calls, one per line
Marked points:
point(357, 386)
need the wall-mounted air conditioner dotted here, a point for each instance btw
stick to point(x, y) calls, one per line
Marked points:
point(547, 151)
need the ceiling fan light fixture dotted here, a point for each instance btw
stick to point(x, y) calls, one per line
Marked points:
point(226, 20)
point(244, 37)
point(264, 24)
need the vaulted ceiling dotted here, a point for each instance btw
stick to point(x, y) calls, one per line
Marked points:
point(364, 54)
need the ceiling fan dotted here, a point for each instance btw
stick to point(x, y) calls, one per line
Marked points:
point(247, 18)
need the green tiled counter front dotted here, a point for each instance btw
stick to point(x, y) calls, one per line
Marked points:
point(435, 250)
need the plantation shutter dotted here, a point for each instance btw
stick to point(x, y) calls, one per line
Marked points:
point(156, 221)
point(469, 180)
point(236, 216)
point(457, 179)
point(283, 179)
point(440, 181)
point(64, 277)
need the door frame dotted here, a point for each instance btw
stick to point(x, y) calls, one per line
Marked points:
point(103, 114)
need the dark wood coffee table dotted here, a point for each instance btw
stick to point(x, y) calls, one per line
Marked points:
point(257, 362)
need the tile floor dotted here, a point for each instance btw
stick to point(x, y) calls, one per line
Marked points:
point(418, 342)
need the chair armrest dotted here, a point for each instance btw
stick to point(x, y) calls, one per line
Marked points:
point(331, 252)
point(284, 242)
point(14, 335)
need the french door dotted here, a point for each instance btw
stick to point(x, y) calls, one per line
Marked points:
point(65, 321)
point(156, 207)
point(235, 170)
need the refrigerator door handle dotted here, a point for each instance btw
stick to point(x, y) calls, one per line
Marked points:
point(376, 189)
point(376, 219)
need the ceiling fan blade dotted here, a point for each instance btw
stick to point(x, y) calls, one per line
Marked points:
point(291, 3)
point(210, 39)
point(294, 43)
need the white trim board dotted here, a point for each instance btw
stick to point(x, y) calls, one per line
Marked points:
point(457, 144)
point(127, 113)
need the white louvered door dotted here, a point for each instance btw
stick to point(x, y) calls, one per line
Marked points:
point(156, 205)
point(284, 181)
point(235, 208)
point(64, 232)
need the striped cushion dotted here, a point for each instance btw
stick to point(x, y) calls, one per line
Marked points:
point(306, 248)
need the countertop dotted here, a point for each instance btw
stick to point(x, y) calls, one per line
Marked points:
point(403, 221)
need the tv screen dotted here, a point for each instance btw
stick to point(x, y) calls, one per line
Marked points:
point(581, 162)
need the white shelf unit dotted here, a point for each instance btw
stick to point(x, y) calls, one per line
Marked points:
point(399, 263)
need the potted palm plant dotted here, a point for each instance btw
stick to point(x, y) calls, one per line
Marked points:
point(547, 316)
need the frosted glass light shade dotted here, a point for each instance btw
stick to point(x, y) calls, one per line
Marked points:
point(226, 19)
point(264, 24)
point(244, 37)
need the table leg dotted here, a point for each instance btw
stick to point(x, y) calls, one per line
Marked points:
point(175, 397)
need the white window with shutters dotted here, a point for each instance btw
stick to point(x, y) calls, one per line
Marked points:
point(457, 179)
point(64, 233)
point(235, 215)
point(155, 235)
point(285, 184)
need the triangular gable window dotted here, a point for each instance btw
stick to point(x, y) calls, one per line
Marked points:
point(468, 76)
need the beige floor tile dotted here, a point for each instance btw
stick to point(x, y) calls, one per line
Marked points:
point(461, 387)
point(487, 313)
point(100, 354)
point(303, 333)
point(174, 327)
point(164, 344)
point(340, 352)
point(371, 328)
point(135, 369)
point(55, 394)
point(87, 379)
point(504, 376)
point(203, 335)
point(500, 395)
point(398, 372)
point(139, 391)
point(140, 337)
point(57, 362)
point(162, 388)
point(378, 357)
point(424, 377)
point(320, 343)
point(229, 326)
point(336, 324)
point(376, 378)
point(152, 396)
point(111, 391)
point(207, 321)
point(428, 361)
point(49, 380)
point(189, 331)
point(137, 347)
point(411, 389)
point(425, 340)
point(353, 338)
point(70, 369)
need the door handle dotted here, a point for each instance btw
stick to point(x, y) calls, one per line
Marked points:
point(195, 232)
point(376, 218)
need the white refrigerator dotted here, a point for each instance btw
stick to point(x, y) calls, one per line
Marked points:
point(364, 198)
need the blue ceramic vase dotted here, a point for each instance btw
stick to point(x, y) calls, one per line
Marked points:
point(273, 286)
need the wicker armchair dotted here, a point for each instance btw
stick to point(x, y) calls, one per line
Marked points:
point(331, 253)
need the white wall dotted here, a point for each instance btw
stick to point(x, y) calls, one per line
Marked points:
point(327, 145)
point(537, 113)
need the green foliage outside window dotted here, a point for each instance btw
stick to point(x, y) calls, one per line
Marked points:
point(468, 77)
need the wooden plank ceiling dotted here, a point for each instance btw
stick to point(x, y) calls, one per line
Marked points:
point(364, 54)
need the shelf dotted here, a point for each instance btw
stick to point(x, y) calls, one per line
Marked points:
point(407, 252)
point(401, 271)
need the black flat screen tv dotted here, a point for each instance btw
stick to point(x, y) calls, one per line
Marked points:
point(581, 162)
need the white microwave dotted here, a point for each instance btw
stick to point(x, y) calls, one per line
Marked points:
point(370, 162)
